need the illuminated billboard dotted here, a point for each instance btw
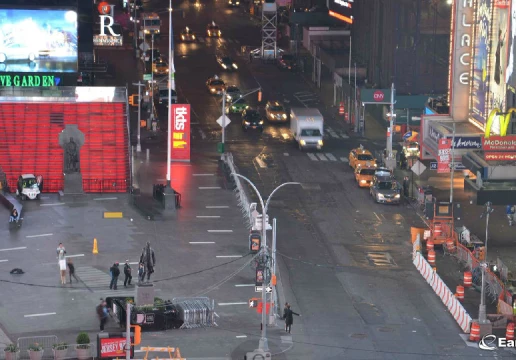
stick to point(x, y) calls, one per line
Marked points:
point(510, 73)
point(38, 41)
point(341, 9)
point(481, 74)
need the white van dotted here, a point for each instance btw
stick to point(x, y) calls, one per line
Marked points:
point(307, 127)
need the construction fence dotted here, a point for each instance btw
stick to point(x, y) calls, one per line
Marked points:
point(239, 188)
point(195, 312)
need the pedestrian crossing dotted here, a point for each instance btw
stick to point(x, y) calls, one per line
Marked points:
point(206, 39)
point(307, 98)
point(285, 134)
point(98, 282)
point(323, 157)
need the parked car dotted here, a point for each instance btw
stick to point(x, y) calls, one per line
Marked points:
point(27, 187)
point(386, 190)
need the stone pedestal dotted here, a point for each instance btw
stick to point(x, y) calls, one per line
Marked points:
point(169, 202)
point(144, 294)
point(73, 183)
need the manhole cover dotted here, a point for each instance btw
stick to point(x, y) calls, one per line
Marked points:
point(385, 329)
point(380, 259)
point(306, 186)
point(358, 336)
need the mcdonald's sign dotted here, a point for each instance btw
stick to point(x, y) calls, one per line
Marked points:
point(505, 119)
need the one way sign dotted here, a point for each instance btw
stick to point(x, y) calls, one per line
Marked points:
point(268, 289)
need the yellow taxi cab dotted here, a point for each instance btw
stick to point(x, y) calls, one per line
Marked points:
point(361, 157)
point(364, 175)
point(215, 85)
point(275, 112)
point(160, 67)
point(213, 30)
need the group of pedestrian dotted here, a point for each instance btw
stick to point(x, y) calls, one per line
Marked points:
point(64, 263)
point(145, 268)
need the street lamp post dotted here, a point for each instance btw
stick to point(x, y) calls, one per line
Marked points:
point(171, 86)
point(391, 124)
point(139, 84)
point(152, 78)
point(263, 344)
point(482, 316)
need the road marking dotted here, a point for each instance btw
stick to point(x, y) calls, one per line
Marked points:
point(220, 231)
point(42, 314)
point(16, 248)
point(218, 207)
point(343, 159)
point(52, 204)
point(4, 260)
point(344, 136)
point(208, 216)
point(40, 235)
point(232, 303)
point(331, 157)
point(260, 162)
point(107, 198)
point(202, 242)
point(377, 216)
point(229, 256)
point(201, 39)
point(203, 174)
point(209, 187)
point(134, 263)
point(312, 156)
point(74, 256)
point(244, 285)
point(322, 157)
point(241, 336)
point(160, 180)
point(113, 215)
point(286, 154)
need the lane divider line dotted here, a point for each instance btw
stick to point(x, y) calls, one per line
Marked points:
point(40, 235)
point(220, 231)
point(37, 315)
point(16, 248)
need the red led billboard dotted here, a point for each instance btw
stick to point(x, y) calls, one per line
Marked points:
point(30, 143)
point(180, 132)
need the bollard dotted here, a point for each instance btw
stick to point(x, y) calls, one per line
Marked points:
point(148, 154)
point(509, 332)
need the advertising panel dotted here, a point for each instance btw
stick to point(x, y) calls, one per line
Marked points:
point(180, 132)
point(510, 72)
point(113, 348)
point(38, 41)
point(341, 9)
point(444, 155)
point(481, 75)
point(499, 143)
point(500, 156)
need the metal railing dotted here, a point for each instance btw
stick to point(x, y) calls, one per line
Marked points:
point(195, 312)
point(240, 190)
point(503, 269)
point(45, 342)
point(494, 286)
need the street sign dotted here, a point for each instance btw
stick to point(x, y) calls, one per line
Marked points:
point(433, 165)
point(268, 289)
point(147, 77)
point(219, 121)
point(418, 168)
point(456, 165)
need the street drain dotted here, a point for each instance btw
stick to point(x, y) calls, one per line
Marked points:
point(358, 336)
point(380, 259)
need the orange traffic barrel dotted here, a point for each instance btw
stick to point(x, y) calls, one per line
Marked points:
point(460, 292)
point(431, 257)
point(509, 333)
point(450, 245)
point(438, 230)
point(474, 335)
point(468, 278)
point(429, 245)
point(414, 232)
point(341, 108)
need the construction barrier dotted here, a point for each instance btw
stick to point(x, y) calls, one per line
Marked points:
point(429, 245)
point(460, 292)
point(504, 308)
point(416, 246)
point(494, 286)
point(475, 332)
point(468, 279)
point(195, 312)
point(509, 333)
point(454, 306)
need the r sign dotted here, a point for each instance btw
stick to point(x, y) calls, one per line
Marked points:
point(180, 132)
point(107, 12)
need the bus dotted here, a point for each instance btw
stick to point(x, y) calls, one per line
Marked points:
point(150, 24)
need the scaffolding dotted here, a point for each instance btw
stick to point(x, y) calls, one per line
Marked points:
point(269, 49)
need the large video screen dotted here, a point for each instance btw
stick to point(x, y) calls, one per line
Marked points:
point(510, 74)
point(38, 40)
point(341, 9)
point(499, 52)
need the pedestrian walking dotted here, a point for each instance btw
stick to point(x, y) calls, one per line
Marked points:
point(127, 273)
point(102, 313)
point(285, 309)
point(149, 260)
point(141, 272)
point(71, 270)
point(406, 186)
point(62, 265)
point(289, 318)
point(14, 215)
point(115, 273)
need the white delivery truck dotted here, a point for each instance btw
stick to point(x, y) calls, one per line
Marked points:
point(307, 127)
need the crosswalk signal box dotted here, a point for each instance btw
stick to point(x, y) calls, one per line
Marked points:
point(134, 100)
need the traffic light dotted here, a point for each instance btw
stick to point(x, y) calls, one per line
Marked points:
point(137, 334)
point(260, 276)
point(134, 100)
point(255, 241)
point(260, 95)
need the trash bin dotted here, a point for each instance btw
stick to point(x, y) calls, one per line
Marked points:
point(220, 147)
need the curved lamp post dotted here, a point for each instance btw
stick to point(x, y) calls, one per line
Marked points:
point(263, 344)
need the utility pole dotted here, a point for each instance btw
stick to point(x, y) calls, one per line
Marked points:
point(171, 86)
point(272, 317)
point(452, 164)
point(349, 82)
point(139, 84)
point(128, 329)
point(152, 78)
point(356, 108)
point(223, 120)
point(135, 30)
point(482, 316)
point(391, 124)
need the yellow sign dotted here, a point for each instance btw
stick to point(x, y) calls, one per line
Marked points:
point(179, 145)
point(505, 119)
point(178, 136)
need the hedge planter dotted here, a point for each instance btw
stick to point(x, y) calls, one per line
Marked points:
point(59, 354)
point(35, 354)
point(11, 355)
point(83, 352)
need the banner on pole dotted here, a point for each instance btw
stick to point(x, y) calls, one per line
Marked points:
point(444, 155)
point(180, 132)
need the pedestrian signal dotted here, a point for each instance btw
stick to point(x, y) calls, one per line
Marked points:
point(137, 334)
point(260, 275)
point(259, 95)
point(255, 241)
point(134, 100)
point(254, 302)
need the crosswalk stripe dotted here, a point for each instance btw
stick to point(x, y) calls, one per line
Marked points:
point(312, 156)
point(322, 157)
point(331, 157)
point(343, 159)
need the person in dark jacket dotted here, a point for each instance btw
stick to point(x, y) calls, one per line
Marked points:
point(127, 273)
point(285, 309)
point(289, 318)
point(115, 273)
point(71, 270)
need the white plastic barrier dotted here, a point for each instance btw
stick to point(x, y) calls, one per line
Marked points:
point(447, 297)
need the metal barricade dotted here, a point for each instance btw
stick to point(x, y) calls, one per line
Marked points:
point(494, 286)
point(45, 342)
point(416, 246)
point(240, 190)
point(195, 312)
point(503, 269)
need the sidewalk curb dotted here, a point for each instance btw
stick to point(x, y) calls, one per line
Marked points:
point(4, 339)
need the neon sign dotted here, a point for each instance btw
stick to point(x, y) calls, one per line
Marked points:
point(107, 12)
point(180, 132)
point(29, 80)
point(505, 119)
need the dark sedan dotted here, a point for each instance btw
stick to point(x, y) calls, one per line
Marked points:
point(251, 119)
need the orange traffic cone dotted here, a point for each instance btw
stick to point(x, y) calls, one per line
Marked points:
point(95, 247)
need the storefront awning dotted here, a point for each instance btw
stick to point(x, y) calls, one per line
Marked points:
point(411, 101)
